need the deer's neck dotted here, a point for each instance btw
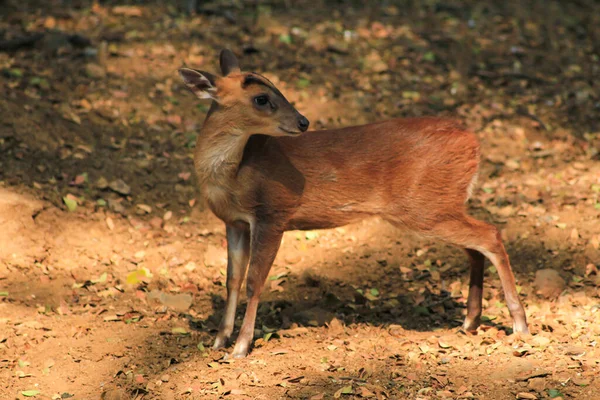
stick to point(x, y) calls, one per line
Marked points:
point(219, 151)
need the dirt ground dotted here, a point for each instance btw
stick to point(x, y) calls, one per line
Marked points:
point(112, 273)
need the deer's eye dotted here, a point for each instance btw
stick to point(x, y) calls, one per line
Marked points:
point(261, 100)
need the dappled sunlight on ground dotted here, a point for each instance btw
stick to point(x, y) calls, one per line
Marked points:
point(112, 274)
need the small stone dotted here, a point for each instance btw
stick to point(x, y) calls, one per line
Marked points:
point(537, 384)
point(165, 378)
point(119, 186)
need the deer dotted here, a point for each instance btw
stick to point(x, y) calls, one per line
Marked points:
point(262, 174)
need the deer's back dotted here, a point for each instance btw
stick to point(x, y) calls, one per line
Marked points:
point(403, 167)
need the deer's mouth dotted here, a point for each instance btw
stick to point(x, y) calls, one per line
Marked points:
point(289, 132)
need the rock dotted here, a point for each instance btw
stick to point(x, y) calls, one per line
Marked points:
point(537, 384)
point(548, 283)
point(119, 186)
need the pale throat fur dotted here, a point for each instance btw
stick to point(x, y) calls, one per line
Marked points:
point(217, 159)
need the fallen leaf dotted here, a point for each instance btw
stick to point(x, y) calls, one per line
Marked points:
point(364, 392)
point(344, 390)
point(144, 207)
point(70, 202)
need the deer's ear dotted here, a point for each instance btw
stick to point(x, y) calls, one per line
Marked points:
point(202, 84)
point(229, 63)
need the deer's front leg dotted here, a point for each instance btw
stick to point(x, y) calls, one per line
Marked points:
point(238, 251)
point(265, 243)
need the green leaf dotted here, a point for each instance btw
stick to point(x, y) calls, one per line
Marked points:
point(30, 393)
point(374, 292)
point(100, 279)
point(202, 107)
point(133, 278)
point(101, 202)
point(278, 276)
point(39, 82)
point(347, 389)
point(179, 331)
point(554, 393)
point(485, 318)
point(24, 364)
point(311, 235)
point(488, 190)
point(302, 83)
point(4, 294)
point(201, 347)
point(15, 73)
point(267, 336)
point(429, 56)
point(597, 206)
point(70, 203)
point(285, 38)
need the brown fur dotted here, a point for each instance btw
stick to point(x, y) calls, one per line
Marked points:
point(416, 173)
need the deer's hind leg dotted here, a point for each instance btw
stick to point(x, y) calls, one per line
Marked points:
point(482, 239)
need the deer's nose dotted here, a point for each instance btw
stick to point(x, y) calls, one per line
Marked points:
point(303, 123)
